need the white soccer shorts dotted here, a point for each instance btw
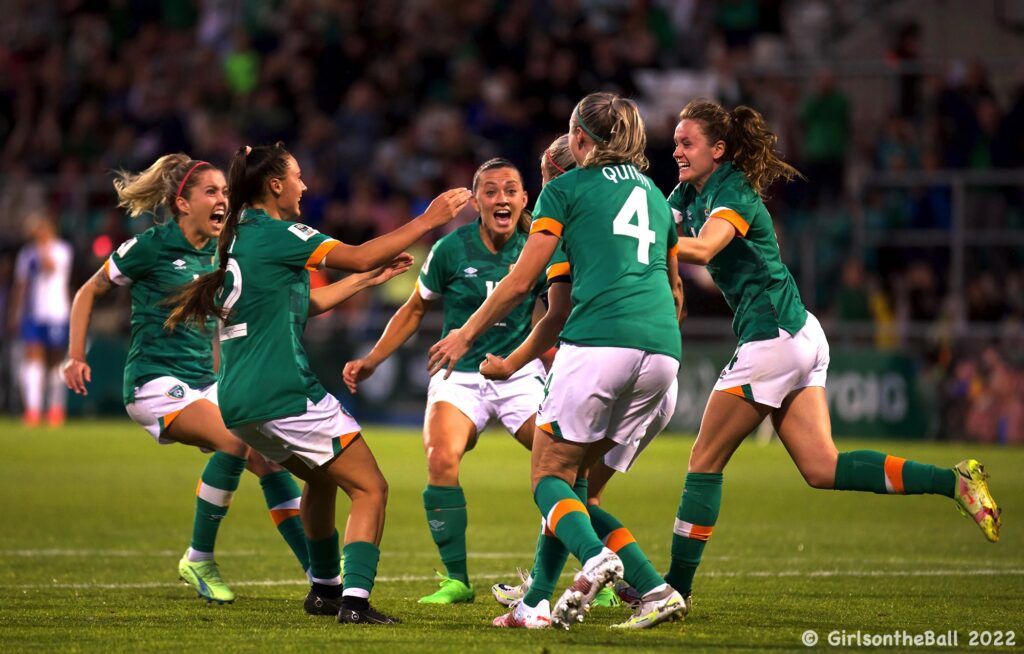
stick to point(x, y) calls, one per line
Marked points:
point(511, 402)
point(159, 401)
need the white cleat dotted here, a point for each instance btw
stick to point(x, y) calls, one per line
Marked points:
point(599, 570)
point(656, 607)
point(507, 595)
point(523, 617)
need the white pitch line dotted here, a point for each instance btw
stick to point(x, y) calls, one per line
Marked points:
point(985, 572)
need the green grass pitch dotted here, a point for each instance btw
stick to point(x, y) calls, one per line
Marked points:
point(95, 517)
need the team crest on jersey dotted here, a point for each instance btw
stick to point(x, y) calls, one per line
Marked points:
point(707, 213)
point(471, 271)
point(177, 392)
point(305, 232)
point(179, 264)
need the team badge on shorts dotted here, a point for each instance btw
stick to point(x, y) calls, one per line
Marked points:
point(176, 392)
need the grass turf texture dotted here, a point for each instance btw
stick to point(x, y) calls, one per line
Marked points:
point(95, 517)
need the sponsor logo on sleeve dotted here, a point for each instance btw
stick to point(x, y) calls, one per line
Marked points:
point(305, 232)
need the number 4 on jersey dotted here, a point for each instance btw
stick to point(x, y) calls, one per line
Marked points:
point(636, 205)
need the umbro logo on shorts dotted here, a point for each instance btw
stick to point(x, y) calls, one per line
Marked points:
point(177, 392)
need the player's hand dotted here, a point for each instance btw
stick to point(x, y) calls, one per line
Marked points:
point(77, 374)
point(398, 265)
point(446, 206)
point(447, 352)
point(356, 371)
point(495, 367)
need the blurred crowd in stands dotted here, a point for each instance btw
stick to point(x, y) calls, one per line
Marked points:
point(385, 103)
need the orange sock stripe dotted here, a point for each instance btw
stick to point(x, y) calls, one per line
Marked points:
point(894, 474)
point(562, 509)
point(690, 530)
point(618, 539)
point(199, 486)
point(280, 515)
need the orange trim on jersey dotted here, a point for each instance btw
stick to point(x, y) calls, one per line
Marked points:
point(558, 269)
point(733, 218)
point(894, 473)
point(735, 390)
point(280, 515)
point(315, 259)
point(674, 250)
point(562, 509)
point(546, 225)
point(546, 428)
point(618, 539)
point(169, 418)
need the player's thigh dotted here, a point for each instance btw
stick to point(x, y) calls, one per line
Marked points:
point(525, 433)
point(447, 432)
point(804, 427)
point(728, 419)
point(356, 472)
point(200, 424)
point(556, 457)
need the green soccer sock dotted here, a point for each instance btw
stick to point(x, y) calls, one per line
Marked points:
point(325, 561)
point(866, 470)
point(695, 520)
point(637, 569)
point(447, 518)
point(217, 486)
point(361, 560)
point(550, 558)
point(567, 517)
point(283, 500)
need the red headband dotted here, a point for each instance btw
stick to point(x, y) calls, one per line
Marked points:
point(547, 153)
point(181, 187)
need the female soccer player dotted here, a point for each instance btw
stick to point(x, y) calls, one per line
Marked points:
point(551, 555)
point(463, 268)
point(620, 346)
point(170, 386)
point(269, 396)
point(726, 160)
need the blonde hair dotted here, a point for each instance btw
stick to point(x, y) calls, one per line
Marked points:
point(615, 126)
point(160, 184)
point(557, 158)
point(749, 144)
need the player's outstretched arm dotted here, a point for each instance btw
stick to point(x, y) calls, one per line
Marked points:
point(714, 236)
point(379, 251)
point(327, 297)
point(542, 338)
point(402, 325)
point(506, 296)
point(76, 371)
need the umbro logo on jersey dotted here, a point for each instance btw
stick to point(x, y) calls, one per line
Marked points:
point(179, 264)
point(471, 271)
point(177, 392)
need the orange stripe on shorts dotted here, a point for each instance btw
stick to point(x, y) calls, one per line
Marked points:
point(280, 515)
point(546, 428)
point(894, 474)
point(562, 509)
point(345, 439)
point(618, 539)
point(169, 418)
point(735, 390)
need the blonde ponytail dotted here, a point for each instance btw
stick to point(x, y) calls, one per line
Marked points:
point(617, 129)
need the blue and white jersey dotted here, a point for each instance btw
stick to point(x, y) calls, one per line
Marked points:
point(45, 270)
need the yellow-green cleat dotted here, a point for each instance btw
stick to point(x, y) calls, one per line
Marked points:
point(606, 598)
point(452, 591)
point(974, 499)
point(204, 577)
point(665, 605)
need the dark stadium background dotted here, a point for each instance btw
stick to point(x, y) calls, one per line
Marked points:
point(907, 118)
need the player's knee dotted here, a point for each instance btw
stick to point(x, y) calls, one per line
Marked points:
point(443, 465)
point(820, 477)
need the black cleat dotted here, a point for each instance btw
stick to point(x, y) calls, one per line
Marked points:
point(316, 604)
point(369, 615)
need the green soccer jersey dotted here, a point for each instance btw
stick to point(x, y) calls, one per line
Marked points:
point(264, 371)
point(462, 270)
point(616, 230)
point(155, 264)
point(749, 271)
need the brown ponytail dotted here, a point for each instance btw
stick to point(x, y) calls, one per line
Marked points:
point(250, 169)
point(749, 144)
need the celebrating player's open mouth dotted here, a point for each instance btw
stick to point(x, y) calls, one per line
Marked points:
point(503, 218)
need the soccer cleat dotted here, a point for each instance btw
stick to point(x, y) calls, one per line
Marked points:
point(452, 591)
point(55, 417)
point(507, 595)
point(606, 598)
point(317, 604)
point(656, 607)
point(627, 594)
point(974, 499)
point(599, 571)
point(204, 577)
point(523, 617)
point(369, 615)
